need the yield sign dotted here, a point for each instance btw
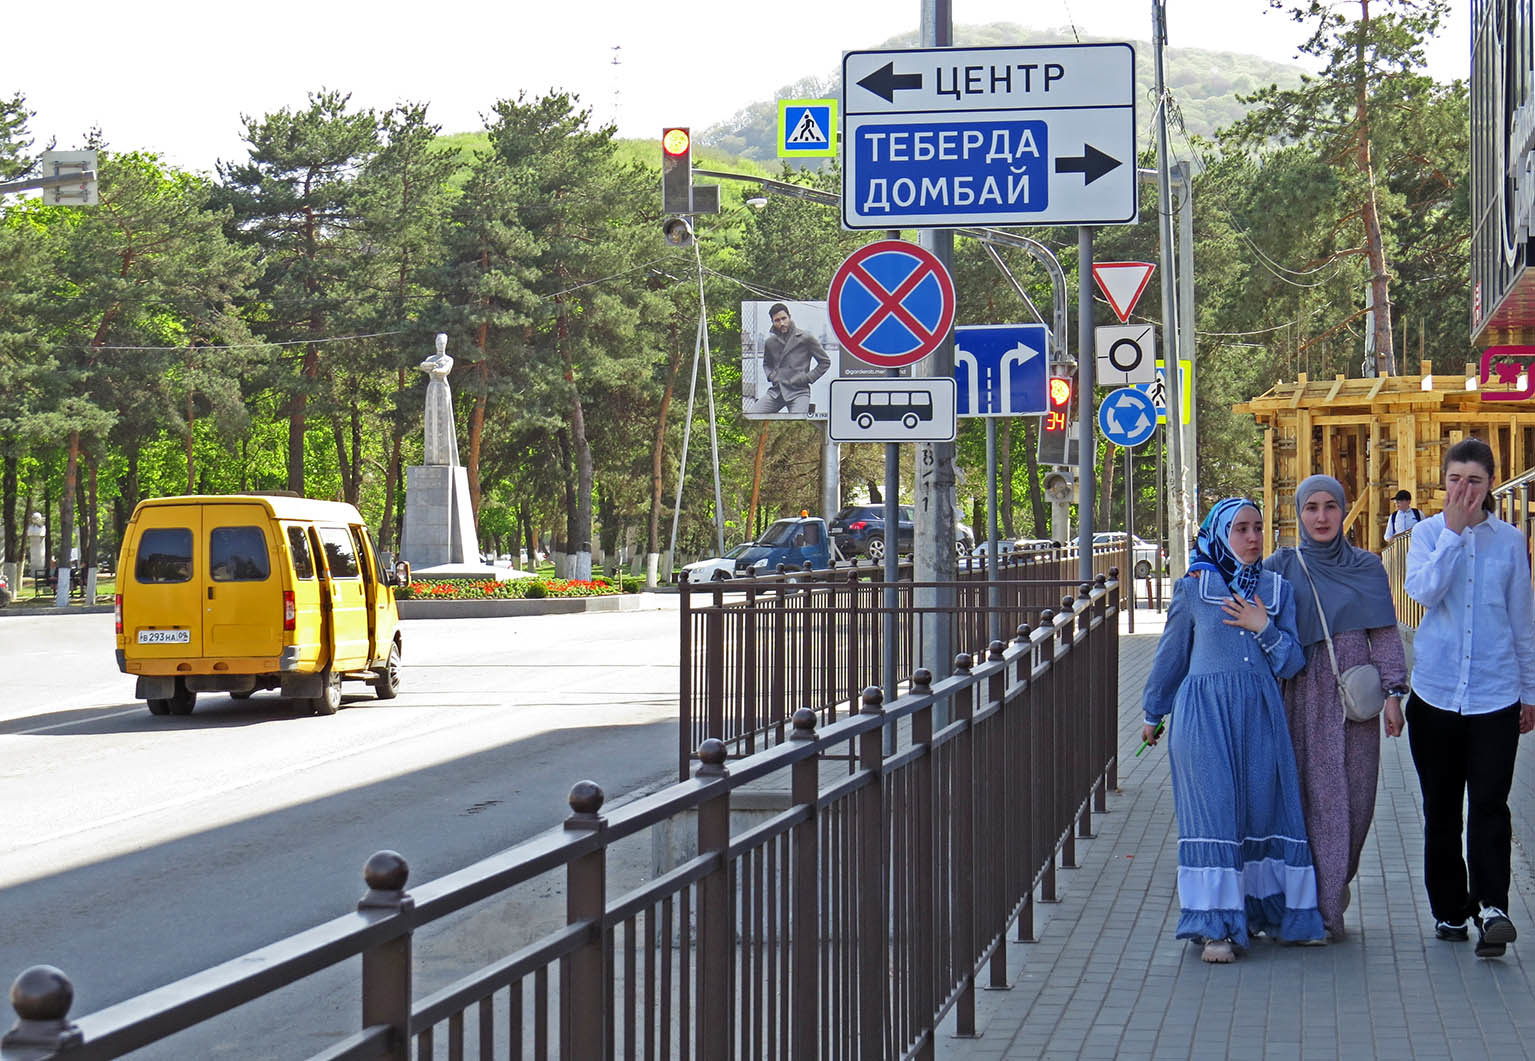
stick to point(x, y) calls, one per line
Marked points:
point(1122, 284)
point(891, 303)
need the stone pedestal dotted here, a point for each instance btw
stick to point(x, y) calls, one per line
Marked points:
point(439, 522)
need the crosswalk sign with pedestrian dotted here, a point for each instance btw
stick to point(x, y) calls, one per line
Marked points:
point(807, 128)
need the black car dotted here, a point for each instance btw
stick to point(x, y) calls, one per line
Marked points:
point(859, 530)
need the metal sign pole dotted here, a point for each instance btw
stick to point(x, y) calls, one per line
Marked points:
point(993, 557)
point(1086, 366)
point(1127, 578)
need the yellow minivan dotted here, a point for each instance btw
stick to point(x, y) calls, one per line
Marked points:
point(244, 592)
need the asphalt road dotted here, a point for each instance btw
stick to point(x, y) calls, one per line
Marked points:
point(136, 849)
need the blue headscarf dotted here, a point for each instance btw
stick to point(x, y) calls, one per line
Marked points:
point(1212, 551)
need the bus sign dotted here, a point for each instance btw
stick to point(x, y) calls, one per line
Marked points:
point(892, 410)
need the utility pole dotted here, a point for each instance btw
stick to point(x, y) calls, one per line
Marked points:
point(1177, 508)
point(1186, 330)
point(934, 535)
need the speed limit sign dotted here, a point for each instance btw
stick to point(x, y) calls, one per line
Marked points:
point(1126, 354)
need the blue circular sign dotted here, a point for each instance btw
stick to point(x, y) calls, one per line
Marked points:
point(1127, 417)
point(891, 303)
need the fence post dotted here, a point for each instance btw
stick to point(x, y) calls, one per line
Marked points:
point(1067, 689)
point(716, 943)
point(1046, 759)
point(386, 988)
point(584, 1020)
point(963, 841)
point(805, 985)
point(925, 947)
point(1000, 844)
point(685, 721)
point(41, 997)
point(1023, 787)
point(1091, 768)
point(872, 877)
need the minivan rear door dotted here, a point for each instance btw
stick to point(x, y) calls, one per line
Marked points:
point(348, 602)
point(242, 594)
point(162, 614)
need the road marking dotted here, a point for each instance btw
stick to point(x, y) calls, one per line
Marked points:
point(75, 722)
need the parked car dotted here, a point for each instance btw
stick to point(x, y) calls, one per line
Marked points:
point(859, 530)
point(791, 542)
point(717, 569)
point(1149, 558)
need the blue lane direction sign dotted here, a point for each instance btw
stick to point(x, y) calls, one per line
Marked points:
point(1127, 418)
point(1026, 135)
point(891, 303)
point(920, 409)
point(1002, 369)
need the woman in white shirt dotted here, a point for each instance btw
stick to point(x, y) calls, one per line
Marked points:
point(1473, 694)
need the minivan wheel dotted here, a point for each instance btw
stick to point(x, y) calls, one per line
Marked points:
point(329, 701)
point(386, 686)
point(182, 700)
point(876, 548)
point(158, 706)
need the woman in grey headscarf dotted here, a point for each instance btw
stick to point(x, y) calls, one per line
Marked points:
point(1338, 759)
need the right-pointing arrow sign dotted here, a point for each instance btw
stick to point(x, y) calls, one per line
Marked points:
point(1092, 163)
point(885, 81)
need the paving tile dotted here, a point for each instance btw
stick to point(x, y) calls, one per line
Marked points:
point(1107, 979)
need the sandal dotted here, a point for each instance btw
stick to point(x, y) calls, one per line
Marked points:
point(1218, 952)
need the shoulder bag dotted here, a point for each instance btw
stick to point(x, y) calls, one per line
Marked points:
point(1358, 687)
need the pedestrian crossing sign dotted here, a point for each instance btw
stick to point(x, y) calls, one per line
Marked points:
point(807, 128)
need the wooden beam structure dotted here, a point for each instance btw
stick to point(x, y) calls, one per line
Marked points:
point(1378, 436)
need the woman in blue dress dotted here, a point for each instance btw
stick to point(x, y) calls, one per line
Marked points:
point(1243, 862)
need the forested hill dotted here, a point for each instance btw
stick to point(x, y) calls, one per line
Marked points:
point(1204, 84)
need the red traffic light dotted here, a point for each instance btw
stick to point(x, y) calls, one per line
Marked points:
point(1060, 392)
point(676, 141)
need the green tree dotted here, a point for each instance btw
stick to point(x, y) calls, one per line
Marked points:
point(295, 199)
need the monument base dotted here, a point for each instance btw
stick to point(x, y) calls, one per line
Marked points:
point(439, 522)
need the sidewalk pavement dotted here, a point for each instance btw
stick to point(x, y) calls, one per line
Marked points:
point(1106, 978)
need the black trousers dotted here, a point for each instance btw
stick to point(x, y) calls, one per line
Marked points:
point(1470, 759)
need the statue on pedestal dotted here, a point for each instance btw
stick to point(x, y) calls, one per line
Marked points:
point(37, 536)
point(441, 435)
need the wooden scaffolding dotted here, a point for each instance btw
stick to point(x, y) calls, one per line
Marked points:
point(1378, 436)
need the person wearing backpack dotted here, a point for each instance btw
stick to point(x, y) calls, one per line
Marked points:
point(1404, 518)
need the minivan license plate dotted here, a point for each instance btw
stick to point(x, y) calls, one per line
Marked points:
point(165, 637)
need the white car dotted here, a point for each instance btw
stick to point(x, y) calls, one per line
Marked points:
point(1148, 557)
point(718, 569)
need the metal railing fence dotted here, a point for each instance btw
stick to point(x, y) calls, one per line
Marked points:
point(751, 651)
point(849, 925)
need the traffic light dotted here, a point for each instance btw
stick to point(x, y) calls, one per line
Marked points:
point(1056, 441)
point(1060, 485)
point(676, 171)
point(678, 196)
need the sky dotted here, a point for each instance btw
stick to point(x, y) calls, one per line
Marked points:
point(178, 82)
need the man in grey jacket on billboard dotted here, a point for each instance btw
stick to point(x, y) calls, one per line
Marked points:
point(787, 358)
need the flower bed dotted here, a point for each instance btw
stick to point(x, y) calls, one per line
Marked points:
point(515, 589)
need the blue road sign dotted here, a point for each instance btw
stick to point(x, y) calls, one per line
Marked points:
point(1002, 369)
point(891, 303)
point(807, 128)
point(1014, 135)
point(1127, 418)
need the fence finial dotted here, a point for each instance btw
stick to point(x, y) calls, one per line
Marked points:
point(921, 681)
point(963, 661)
point(994, 650)
point(1023, 634)
point(873, 700)
point(711, 758)
point(41, 997)
point(1085, 590)
point(385, 874)
point(804, 725)
point(586, 799)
